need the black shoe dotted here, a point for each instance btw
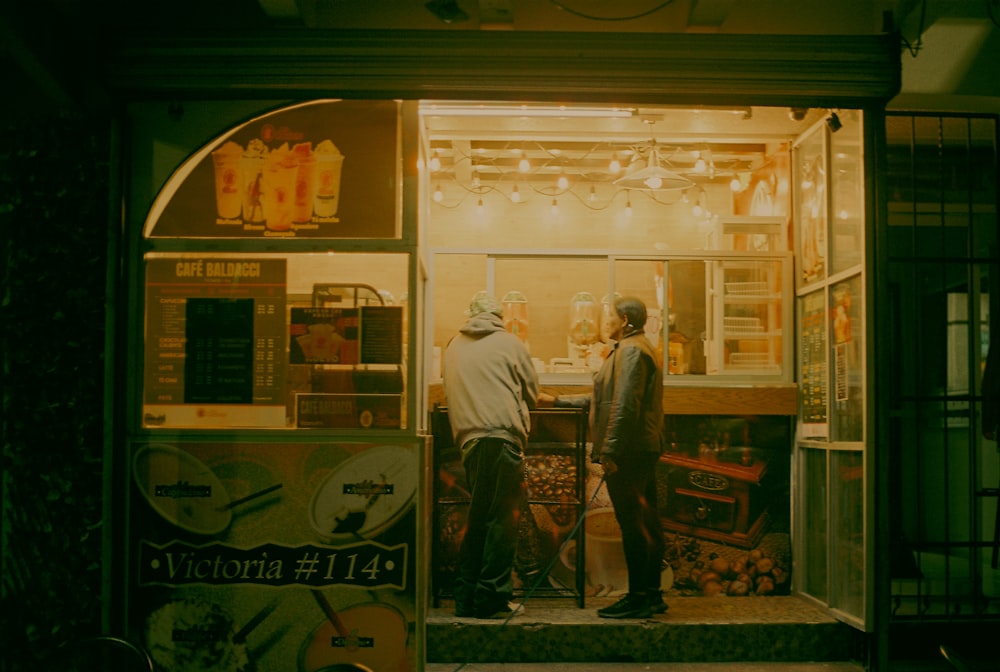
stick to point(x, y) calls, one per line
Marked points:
point(656, 603)
point(631, 606)
point(504, 610)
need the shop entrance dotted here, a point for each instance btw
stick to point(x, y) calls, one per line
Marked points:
point(741, 228)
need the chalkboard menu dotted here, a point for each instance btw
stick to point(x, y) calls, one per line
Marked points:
point(218, 354)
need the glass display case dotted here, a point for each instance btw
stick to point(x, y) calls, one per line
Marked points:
point(719, 315)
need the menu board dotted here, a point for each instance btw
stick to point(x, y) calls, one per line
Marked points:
point(215, 342)
point(813, 374)
point(326, 169)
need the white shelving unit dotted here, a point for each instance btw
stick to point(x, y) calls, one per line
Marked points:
point(746, 329)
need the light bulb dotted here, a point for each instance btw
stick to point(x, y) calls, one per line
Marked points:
point(628, 208)
point(475, 179)
point(593, 194)
point(515, 195)
point(699, 166)
point(562, 182)
point(555, 207)
point(615, 167)
point(435, 162)
point(697, 210)
point(438, 194)
point(735, 184)
point(653, 182)
point(479, 206)
point(524, 165)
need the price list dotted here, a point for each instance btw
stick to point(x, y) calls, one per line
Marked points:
point(812, 360)
point(215, 331)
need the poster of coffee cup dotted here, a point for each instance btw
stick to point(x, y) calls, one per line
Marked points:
point(321, 169)
point(366, 495)
point(604, 556)
point(191, 496)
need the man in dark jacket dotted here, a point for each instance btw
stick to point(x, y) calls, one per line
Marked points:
point(627, 432)
point(491, 386)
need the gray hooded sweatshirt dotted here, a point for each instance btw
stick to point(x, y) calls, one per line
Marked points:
point(490, 383)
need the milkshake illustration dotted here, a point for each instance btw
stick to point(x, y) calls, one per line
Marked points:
point(329, 162)
point(252, 164)
point(226, 160)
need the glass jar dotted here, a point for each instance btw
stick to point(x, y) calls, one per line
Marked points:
point(515, 314)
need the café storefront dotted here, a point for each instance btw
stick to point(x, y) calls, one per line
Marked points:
point(297, 263)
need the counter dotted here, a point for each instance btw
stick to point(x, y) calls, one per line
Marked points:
point(687, 399)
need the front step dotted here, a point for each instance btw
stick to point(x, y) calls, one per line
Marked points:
point(695, 629)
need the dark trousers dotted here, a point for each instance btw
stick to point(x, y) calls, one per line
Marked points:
point(495, 472)
point(632, 489)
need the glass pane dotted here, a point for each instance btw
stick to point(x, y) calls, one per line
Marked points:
point(561, 308)
point(811, 185)
point(687, 317)
point(847, 193)
point(900, 171)
point(846, 363)
point(644, 280)
point(983, 133)
point(814, 523)
point(813, 367)
point(272, 340)
point(847, 540)
point(459, 277)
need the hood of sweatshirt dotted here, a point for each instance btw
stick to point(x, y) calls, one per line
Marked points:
point(482, 324)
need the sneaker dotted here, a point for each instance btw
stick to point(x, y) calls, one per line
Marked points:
point(656, 603)
point(631, 606)
point(505, 610)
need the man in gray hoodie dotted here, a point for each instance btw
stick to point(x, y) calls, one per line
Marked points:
point(491, 386)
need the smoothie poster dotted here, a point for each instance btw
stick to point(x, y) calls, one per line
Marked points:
point(249, 556)
point(326, 169)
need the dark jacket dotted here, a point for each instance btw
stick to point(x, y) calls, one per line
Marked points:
point(627, 405)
